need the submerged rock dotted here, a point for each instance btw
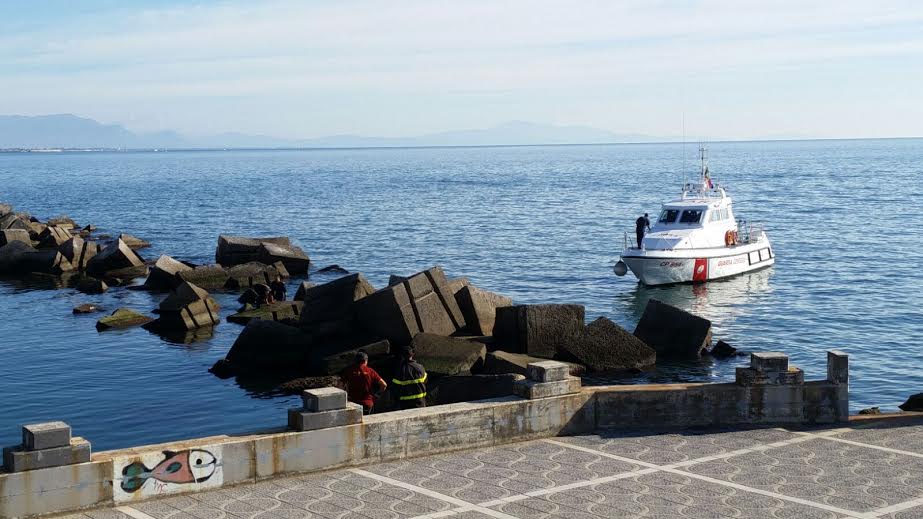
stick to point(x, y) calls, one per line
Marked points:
point(92, 286)
point(122, 318)
point(334, 269)
point(86, 308)
point(870, 411)
point(722, 349)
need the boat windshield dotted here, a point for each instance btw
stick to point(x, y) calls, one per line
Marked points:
point(668, 215)
point(691, 216)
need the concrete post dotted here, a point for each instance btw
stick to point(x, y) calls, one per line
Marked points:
point(547, 378)
point(837, 367)
point(46, 445)
point(324, 408)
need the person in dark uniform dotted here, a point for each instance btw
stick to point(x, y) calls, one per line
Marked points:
point(642, 224)
point(409, 382)
point(278, 289)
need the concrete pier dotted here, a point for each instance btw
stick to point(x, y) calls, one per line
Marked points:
point(327, 433)
point(870, 469)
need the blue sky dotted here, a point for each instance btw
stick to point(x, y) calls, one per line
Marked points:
point(397, 68)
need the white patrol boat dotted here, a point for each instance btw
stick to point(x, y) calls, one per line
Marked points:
point(696, 239)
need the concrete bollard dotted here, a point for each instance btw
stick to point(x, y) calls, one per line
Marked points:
point(324, 408)
point(46, 445)
point(546, 379)
point(837, 367)
point(769, 368)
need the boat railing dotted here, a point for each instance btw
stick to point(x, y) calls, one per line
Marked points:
point(749, 232)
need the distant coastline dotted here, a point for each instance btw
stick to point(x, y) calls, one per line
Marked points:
point(435, 146)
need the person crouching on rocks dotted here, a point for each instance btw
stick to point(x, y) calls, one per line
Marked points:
point(278, 289)
point(410, 381)
point(264, 294)
point(362, 383)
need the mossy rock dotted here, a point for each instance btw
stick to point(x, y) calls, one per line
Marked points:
point(122, 318)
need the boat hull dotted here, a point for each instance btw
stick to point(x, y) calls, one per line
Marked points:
point(661, 267)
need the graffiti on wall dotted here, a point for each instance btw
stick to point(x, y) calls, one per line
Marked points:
point(166, 473)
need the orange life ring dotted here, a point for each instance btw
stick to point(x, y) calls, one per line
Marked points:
point(730, 238)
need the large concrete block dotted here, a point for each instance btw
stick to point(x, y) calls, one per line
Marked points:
point(164, 275)
point(548, 371)
point(388, 313)
point(837, 367)
point(44, 261)
point(40, 436)
point(301, 420)
point(117, 260)
point(333, 300)
point(479, 308)
point(17, 459)
point(531, 389)
point(769, 361)
point(122, 318)
point(468, 388)
point(205, 276)
point(270, 348)
point(188, 307)
point(235, 250)
point(498, 362)
point(448, 355)
point(323, 399)
point(296, 261)
point(673, 332)
point(245, 275)
point(539, 330)
point(606, 346)
point(434, 281)
point(53, 236)
point(79, 252)
point(11, 235)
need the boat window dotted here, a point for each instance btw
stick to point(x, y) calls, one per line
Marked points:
point(691, 216)
point(668, 215)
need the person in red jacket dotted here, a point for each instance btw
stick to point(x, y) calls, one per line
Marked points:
point(362, 383)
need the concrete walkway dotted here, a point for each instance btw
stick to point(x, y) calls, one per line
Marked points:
point(864, 470)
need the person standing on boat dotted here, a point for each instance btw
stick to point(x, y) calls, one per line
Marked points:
point(642, 224)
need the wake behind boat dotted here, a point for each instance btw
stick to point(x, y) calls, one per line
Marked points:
point(697, 239)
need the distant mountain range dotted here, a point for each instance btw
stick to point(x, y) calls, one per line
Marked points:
point(66, 131)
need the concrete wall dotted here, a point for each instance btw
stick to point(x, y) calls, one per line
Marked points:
point(130, 475)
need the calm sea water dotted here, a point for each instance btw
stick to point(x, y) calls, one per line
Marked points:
point(540, 224)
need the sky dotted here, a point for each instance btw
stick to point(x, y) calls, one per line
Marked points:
point(393, 68)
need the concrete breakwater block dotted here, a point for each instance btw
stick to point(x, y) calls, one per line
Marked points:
point(332, 301)
point(52, 237)
point(117, 260)
point(246, 275)
point(295, 259)
point(187, 308)
point(164, 275)
point(205, 276)
point(448, 355)
point(498, 362)
point(479, 307)
point(79, 252)
point(235, 250)
point(18, 459)
point(539, 330)
point(269, 347)
point(467, 388)
point(274, 312)
point(423, 302)
point(606, 346)
point(11, 235)
point(47, 435)
point(134, 242)
point(45, 262)
point(672, 332)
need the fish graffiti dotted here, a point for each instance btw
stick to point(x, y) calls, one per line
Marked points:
point(189, 466)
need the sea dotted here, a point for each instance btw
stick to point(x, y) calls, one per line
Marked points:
point(541, 224)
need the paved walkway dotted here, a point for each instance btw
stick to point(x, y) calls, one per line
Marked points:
point(866, 470)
